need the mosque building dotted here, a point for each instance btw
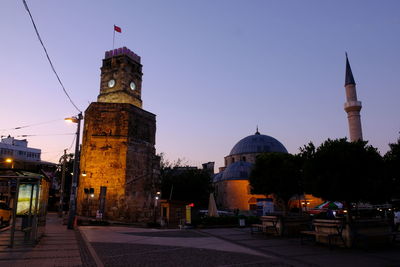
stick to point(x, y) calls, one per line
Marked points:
point(232, 187)
point(231, 184)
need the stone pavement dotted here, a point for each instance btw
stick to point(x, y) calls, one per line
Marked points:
point(125, 246)
point(58, 247)
point(290, 251)
point(128, 246)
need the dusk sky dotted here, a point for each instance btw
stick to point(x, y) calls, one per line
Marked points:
point(213, 70)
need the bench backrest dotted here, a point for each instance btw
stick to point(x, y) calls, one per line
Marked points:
point(338, 225)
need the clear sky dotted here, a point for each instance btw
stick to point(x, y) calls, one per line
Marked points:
point(213, 69)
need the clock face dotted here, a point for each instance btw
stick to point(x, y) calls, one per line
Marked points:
point(111, 83)
point(133, 86)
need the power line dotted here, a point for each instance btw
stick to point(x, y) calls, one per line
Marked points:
point(73, 141)
point(30, 135)
point(30, 125)
point(47, 55)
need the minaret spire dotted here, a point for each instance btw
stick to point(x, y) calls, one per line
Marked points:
point(352, 105)
point(349, 74)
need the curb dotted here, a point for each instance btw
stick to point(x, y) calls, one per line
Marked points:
point(91, 250)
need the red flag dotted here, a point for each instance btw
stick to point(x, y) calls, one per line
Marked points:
point(117, 29)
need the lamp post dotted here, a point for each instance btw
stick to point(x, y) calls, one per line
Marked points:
point(72, 199)
point(61, 204)
point(10, 160)
point(155, 205)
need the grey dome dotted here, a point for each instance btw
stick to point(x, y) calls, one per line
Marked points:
point(239, 170)
point(217, 177)
point(257, 143)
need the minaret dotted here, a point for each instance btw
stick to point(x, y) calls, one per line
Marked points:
point(352, 105)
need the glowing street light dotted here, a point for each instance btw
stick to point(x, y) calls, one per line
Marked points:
point(9, 161)
point(74, 119)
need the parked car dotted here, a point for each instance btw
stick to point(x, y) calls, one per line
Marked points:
point(5, 213)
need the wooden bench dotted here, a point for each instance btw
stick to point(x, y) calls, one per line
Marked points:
point(270, 223)
point(331, 229)
point(256, 228)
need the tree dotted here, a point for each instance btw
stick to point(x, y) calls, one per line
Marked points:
point(184, 183)
point(346, 171)
point(69, 162)
point(277, 174)
point(392, 166)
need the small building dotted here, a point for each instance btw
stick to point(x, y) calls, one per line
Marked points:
point(15, 153)
point(173, 212)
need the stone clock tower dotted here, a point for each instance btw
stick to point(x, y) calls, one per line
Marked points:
point(119, 167)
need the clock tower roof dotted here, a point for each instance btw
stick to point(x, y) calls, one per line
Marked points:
point(122, 51)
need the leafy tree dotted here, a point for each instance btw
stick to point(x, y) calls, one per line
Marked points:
point(184, 183)
point(307, 153)
point(392, 166)
point(69, 162)
point(346, 171)
point(277, 174)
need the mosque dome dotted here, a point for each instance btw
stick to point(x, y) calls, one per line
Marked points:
point(257, 143)
point(239, 170)
point(217, 177)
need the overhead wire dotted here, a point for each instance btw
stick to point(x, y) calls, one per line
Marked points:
point(48, 57)
point(72, 143)
point(30, 125)
point(30, 135)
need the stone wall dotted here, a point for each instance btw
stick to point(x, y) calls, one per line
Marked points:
point(118, 153)
point(235, 194)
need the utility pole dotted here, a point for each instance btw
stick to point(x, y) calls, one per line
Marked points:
point(61, 204)
point(74, 185)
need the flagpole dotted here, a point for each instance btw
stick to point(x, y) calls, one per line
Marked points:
point(113, 36)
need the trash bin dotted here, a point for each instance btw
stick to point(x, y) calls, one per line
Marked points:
point(25, 222)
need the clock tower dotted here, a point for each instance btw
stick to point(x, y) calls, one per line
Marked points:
point(121, 78)
point(119, 166)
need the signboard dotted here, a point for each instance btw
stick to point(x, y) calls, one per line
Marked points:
point(264, 206)
point(188, 214)
point(26, 196)
point(102, 199)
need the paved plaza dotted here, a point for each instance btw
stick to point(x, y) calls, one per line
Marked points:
point(129, 246)
point(124, 246)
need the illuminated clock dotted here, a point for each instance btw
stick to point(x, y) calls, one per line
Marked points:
point(133, 86)
point(111, 83)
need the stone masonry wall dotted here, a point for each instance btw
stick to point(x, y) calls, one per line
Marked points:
point(118, 152)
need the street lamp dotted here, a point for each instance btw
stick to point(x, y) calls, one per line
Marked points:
point(10, 160)
point(158, 194)
point(72, 199)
